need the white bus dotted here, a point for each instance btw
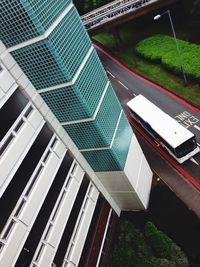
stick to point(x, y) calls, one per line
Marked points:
point(176, 139)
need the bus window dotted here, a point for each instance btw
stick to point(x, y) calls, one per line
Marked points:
point(186, 147)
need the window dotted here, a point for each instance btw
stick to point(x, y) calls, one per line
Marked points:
point(68, 182)
point(74, 168)
point(27, 113)
point(39, 252)
point(18, 126)
point(54, 142)
point(1, 246)
point(48, 231)
point(20, 206)
point(8, 230)
point(33, 181)
point(6, 143)
point(1, 68)
point(186, 147)
point(46, 156)
point(58, 205)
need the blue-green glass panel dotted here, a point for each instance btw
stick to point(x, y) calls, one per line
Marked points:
point(115, 158)
point(92, 82)
point(86, 134)
point(47, 11)
point(108, 114)
point(22, 20)
point(41, 64)
point(99, 132)
point(66, 104)
point(122, 141)
point(16, 25)
point(70, 41)
point(80, 100)
point(64, 50)
point(102, 160)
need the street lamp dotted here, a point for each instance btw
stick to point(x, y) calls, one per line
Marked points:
point(157, 17)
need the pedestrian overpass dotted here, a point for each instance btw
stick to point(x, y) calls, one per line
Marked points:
point(120, 11)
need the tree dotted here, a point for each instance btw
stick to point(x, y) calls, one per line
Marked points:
point(178, 257)
point(161, 243)
point(80, 6)
point(168, 253)
point(190, 10)
point(131, 248)
point(161, 262)
point(195, 9)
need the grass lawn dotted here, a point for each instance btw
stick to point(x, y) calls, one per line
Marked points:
point(129, 37)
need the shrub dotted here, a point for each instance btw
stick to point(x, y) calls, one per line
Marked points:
point(160, 242)
point(162, 48)
point(131, 248)
point(160, 262)
point(178, 257)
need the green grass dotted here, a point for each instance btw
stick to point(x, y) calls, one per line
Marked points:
point(147, 69)
point(106, 39)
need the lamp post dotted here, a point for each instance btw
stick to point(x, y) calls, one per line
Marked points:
point(157, 17)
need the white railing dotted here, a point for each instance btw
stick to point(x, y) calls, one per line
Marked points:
point(112, 11)
point(22, 218)
point(56, 224)
point(16, 143)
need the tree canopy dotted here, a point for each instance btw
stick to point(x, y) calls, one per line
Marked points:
point(148, 248)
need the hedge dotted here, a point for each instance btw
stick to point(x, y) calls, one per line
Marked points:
point(162, 48)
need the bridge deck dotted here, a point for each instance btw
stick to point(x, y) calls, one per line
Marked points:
point(119, 9)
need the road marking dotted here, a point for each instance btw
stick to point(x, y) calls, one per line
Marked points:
point(194, 161)
point(157, 143)
point(180, 100)
point(197, 127)
point(120, 82)
point(110, 73)
point(186, 119)
point(198, 144)
point(123, 85)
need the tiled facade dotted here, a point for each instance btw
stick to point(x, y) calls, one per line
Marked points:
point(49, 196)
point(66, 148)
point(52, 64)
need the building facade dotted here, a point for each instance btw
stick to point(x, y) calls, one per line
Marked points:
point(67, 152)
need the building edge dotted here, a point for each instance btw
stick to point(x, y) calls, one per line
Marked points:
point(31, 93)
point(131, 187)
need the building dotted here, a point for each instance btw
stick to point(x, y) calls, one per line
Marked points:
point(69, 160)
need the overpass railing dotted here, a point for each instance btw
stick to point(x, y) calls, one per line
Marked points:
point(112, 11)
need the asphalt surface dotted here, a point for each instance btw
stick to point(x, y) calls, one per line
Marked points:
point(127, 85)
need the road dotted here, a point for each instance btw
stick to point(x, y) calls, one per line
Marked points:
point(127, 85)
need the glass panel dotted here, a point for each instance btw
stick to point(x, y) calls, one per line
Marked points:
point(6, 143)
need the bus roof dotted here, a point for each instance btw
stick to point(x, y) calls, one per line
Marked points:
point(167, 127)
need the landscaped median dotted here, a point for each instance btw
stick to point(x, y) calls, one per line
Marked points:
point(162, 48)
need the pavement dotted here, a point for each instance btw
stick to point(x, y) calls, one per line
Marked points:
point(171, 177)
point(163, 169)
